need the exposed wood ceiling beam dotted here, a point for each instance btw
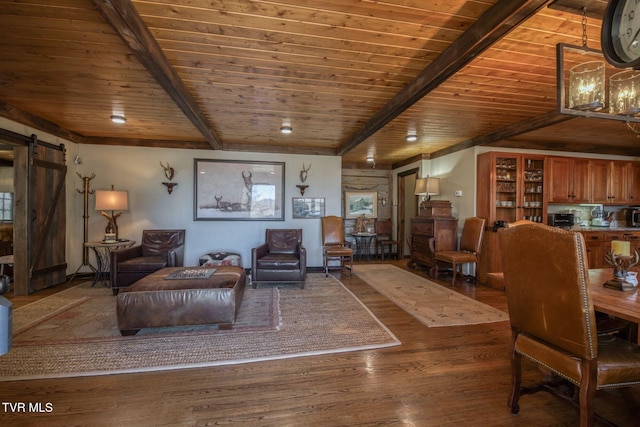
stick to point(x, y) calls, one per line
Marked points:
point(515, 129)
point(501, 18)
point(128, 24)
point(12, 113)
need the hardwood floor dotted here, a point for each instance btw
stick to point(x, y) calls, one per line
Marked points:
point(449, 376)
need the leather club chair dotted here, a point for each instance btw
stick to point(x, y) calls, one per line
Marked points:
point(159, 249)
point(553, 323)
point(281, 259)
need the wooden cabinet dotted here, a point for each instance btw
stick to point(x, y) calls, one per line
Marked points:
point(510, 187)
point(633, 183)
point(599, 243)
point(568, 180)
point(429, 235)
point(594, 241)
point(608, 181)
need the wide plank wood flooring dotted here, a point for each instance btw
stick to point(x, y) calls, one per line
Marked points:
point(450, 376)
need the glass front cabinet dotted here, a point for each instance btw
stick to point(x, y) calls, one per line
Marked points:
point(511, 187)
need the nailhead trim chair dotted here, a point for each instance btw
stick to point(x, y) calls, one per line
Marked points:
point(553, 323)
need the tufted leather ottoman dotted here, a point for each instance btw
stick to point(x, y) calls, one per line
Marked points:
point(158, 300)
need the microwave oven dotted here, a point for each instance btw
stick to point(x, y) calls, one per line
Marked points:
point(633, 217)
point(561, 220)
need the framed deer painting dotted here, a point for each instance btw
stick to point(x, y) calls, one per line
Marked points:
point(238, 190)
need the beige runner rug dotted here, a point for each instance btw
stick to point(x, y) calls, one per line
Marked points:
point(430, 303)
point(74, 333)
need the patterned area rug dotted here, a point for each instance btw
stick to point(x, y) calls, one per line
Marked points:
point(430, 303)
point(74, 333)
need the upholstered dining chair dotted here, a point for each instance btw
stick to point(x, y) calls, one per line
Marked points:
point(469, 251)
point(334, 246)
point(553, 323)
point(384, 237)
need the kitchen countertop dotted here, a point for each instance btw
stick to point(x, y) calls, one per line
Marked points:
point(593, 228)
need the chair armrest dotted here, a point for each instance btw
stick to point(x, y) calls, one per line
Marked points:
point(119, 256)
point(302, 251)
point(125, 254)
point(175, 256)
point(257, 253)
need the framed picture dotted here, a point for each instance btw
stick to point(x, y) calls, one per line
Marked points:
point(232, 190)
point(308, 207)
point(357, 203)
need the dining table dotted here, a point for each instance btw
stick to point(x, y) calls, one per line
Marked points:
point(621, 304)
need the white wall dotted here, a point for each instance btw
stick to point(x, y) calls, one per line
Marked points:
point(138, 171)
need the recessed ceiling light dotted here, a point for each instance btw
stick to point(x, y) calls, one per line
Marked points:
point(286, 129)
point(118, 119)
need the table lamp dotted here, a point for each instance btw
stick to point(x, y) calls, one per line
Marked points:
point(111, 200)
point(427, 187)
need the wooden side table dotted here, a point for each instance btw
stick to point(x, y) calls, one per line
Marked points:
point(103, 250)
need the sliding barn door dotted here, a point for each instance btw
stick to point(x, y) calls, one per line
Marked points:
point(40, 216)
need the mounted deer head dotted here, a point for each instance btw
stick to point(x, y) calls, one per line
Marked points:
point(168, 171)
point(304, 172)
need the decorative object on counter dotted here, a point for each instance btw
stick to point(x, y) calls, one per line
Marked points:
point(363, 225)
point(623, 279)
point(600, 218)
point(169, 173)
point(112, 201)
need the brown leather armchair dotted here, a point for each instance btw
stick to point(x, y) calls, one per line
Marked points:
point(553, 322)
point(159, 249)
point(281, 259)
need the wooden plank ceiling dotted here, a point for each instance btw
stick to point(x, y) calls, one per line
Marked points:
point(352, 77)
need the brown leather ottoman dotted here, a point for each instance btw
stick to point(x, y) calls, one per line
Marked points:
point(158, 300)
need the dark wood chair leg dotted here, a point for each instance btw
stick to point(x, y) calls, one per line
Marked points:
point(516, 377)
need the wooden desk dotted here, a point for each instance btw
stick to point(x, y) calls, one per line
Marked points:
point(624, 305)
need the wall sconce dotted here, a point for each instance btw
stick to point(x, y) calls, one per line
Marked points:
point(111, 201)
point(382, 201)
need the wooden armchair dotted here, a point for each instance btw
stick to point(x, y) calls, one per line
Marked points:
point(334, 246)
point(469, 252)
point(553, 322)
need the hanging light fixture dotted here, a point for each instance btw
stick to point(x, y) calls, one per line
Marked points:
point(587, 80)
point(624, 93)
point(412, 137)
point(372, 161)
point(286, 129)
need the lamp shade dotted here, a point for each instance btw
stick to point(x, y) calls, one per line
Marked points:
point(112, 200)
point(421, 187)
point(427, 186)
